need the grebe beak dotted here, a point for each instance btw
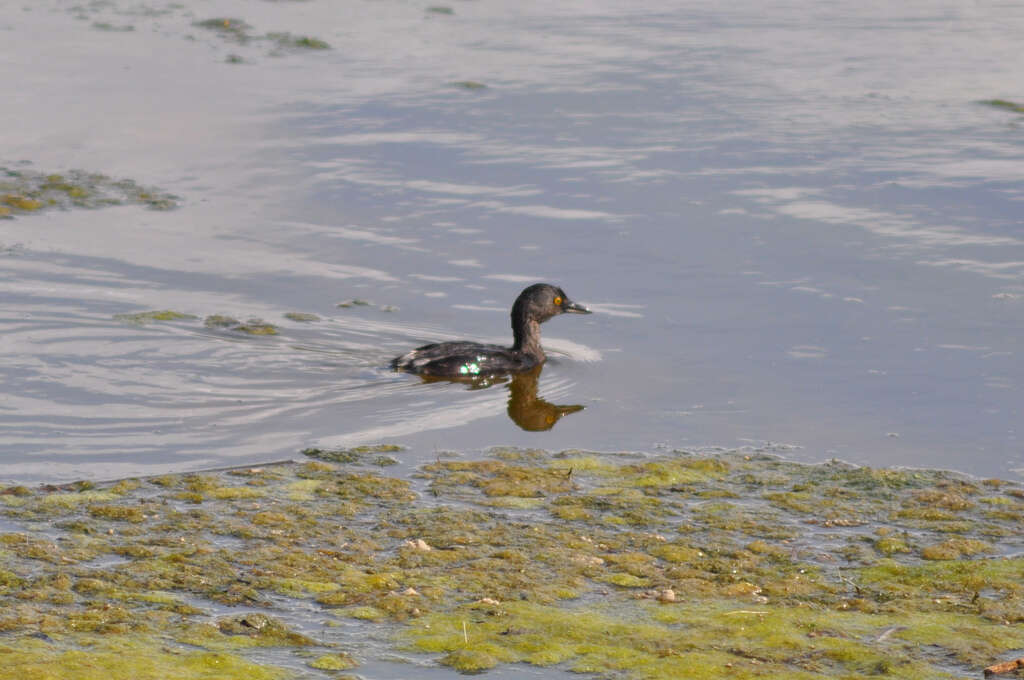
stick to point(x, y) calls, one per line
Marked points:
point(574, 307)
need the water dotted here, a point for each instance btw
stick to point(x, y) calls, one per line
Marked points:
point(795, 225)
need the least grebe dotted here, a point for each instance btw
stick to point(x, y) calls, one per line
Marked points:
point(461, 359)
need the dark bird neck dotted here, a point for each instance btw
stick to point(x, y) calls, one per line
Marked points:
point(526, 335)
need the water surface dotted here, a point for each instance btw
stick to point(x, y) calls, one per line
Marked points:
point(796, 226)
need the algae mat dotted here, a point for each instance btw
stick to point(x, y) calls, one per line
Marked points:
point(737, 564)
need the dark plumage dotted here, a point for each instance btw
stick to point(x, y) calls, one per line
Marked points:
point(462, 359)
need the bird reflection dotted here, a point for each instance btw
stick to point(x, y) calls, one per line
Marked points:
point(527, 410)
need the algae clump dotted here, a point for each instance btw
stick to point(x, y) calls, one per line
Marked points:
point(620, 565)
point(251, 327)
point(1004, 104)
point(231, 29)
point(355, 454)
point(301, 316)
point(289, 41)
point(334, 662)
point(256, 327)
point(28, 191)
point(142, 318)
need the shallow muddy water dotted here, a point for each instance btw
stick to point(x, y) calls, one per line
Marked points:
point(800, 226)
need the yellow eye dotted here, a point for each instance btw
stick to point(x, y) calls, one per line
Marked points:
point(558, 301)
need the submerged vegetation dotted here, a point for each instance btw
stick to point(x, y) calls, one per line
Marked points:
point(735, 565)
point(27, 191)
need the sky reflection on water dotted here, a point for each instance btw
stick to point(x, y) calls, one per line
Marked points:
point(798, 227)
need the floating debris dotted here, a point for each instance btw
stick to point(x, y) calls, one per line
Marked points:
point(418, 544)
point(469, 85)
point(1005, 667)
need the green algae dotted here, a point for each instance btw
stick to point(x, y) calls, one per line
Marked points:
point(259, 629)
point(251, 327)
point(111, 657)
point(239, 32)
point(233, 30)
point(497, 478)
point(296, 42)
point(142, 318)
point(955, 548)
point(118, 513)
point(334, 662)
point(21, 202)
point(356, 454)
point(304, 317)
point(364, 612)
point(24, 191)
point(220, 321)
point(888, 544)
point(256, 327)
point(619, 565)
point(470, 660)
point(355, 302)
point(1005, 105)
point(104, 26)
